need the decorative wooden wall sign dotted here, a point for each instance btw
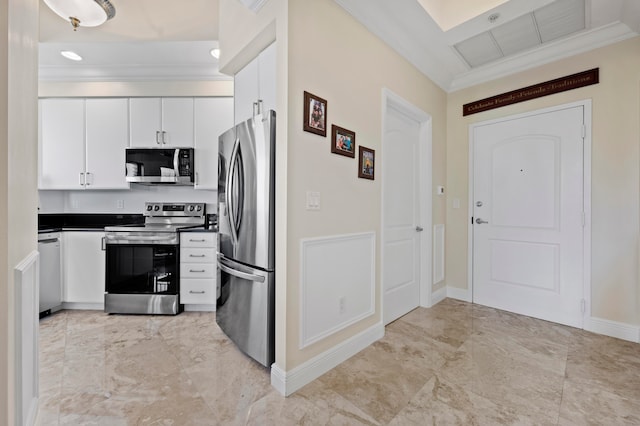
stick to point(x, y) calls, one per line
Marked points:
point(562, 84)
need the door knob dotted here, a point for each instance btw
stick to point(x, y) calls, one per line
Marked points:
point(479, 221)
point(419, 228)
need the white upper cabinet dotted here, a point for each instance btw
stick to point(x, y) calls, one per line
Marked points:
point(61, 144)
point(82, 143)
point(107, 122)
point(161, 122)
point(213, 116)
point(255, 86)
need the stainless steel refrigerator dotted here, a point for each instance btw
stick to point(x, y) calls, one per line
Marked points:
point(246, 236)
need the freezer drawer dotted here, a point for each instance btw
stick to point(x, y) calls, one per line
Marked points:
point(245, 309)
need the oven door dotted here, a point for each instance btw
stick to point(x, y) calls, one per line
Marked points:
point(142, 278)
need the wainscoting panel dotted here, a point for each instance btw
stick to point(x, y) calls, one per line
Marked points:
point(337, 284)
point(438, 253)
point(26, 280)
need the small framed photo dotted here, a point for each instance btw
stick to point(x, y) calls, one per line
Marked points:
point(366, 163)
point(315, 114)
point(343, 141)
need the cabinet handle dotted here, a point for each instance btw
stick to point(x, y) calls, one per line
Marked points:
point(104, 243)
point(81, 179)
point(260, 106)
point(158, 137)
point(164, 140)
point(88, 180)
point(197, 270)
point(197, 255)
point(196, 292)
point(255, 108)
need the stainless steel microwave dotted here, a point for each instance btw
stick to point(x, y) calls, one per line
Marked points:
point(173, 166)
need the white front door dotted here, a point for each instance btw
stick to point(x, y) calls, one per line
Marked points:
point(528, 215)
point(401, 215)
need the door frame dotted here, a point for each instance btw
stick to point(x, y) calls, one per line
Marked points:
point(392, 100)
point(586, 182)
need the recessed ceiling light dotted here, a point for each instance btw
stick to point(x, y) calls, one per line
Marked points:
point(493, 17)
point(71, 55)
point(215, 53)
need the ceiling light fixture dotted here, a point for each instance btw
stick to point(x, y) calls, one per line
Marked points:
point(493, 17)
point(71, 55)
point(83, 13)
point(215, 52)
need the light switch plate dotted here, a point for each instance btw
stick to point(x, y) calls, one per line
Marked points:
point(313, 200)
point(440, 190)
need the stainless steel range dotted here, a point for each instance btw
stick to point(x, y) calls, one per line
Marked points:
point(143, 262)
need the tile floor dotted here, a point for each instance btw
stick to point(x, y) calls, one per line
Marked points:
point(453, 364)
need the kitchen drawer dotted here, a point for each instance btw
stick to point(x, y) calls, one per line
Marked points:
point(198, 291)
point(197, 270)
point(197, 255)
point(198, 239)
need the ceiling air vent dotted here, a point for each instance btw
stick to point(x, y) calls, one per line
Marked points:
point(553, 21)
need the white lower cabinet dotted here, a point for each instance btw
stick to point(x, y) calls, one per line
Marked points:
point(83, 269)
point(198, 270)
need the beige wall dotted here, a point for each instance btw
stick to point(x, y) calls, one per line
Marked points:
point(615, 169)
point(336, 58)
point(18, 159)
point(322, 49)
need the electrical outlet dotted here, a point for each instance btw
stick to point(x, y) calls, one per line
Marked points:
point(120, 204)
point(313, 200)
point(74, 204)
point(343, 305)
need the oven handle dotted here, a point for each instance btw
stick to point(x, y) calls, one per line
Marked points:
point(139, 238)
point(236, 273)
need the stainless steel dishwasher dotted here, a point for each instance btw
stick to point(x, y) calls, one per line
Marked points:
point(50, 273)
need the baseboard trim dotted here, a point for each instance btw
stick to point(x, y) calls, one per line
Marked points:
point(438, 296)
point(615, 329)
point(287, 382)
point(83, 306)
point(459, 294)
point(199, 308)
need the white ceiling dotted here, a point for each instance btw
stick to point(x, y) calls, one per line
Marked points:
point(406, 26)
point(169, 39)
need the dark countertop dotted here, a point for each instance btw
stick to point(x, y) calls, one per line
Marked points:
point(211, 228)
point(51, 222)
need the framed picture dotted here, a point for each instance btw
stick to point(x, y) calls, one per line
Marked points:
point(343, 141)
point(366, 163)
point(315, 114)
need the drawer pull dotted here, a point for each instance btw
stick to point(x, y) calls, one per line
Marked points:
point(196, 292)
point(197, 270)
point(197, 241)
point(197, 255)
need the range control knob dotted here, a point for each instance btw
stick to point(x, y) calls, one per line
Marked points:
point(156, 208)
point(191, 208)
point(199, 208)
point(149, 208)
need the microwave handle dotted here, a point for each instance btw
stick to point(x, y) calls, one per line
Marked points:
point(176, 159)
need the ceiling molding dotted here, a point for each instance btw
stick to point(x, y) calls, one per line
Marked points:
point(160, 72)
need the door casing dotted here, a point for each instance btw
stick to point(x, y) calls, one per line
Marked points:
point(392, 100)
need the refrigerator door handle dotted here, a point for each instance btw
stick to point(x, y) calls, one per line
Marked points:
point(240, 274)
point(228, 195)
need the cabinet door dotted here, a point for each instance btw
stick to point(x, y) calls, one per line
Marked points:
point(213, 116)
point(145, 118)
point(267, 78)
point(62, 157)
point(177, 122)
point(245, 91)
point(107, 126)
point(84, 267)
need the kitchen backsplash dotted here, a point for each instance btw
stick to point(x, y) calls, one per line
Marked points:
point(121, 201)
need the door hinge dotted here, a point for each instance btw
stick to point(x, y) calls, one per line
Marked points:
point(472, 220)
point(583, 305)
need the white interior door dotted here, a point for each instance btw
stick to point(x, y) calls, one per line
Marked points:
point(528, 215)
point(401, 215)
